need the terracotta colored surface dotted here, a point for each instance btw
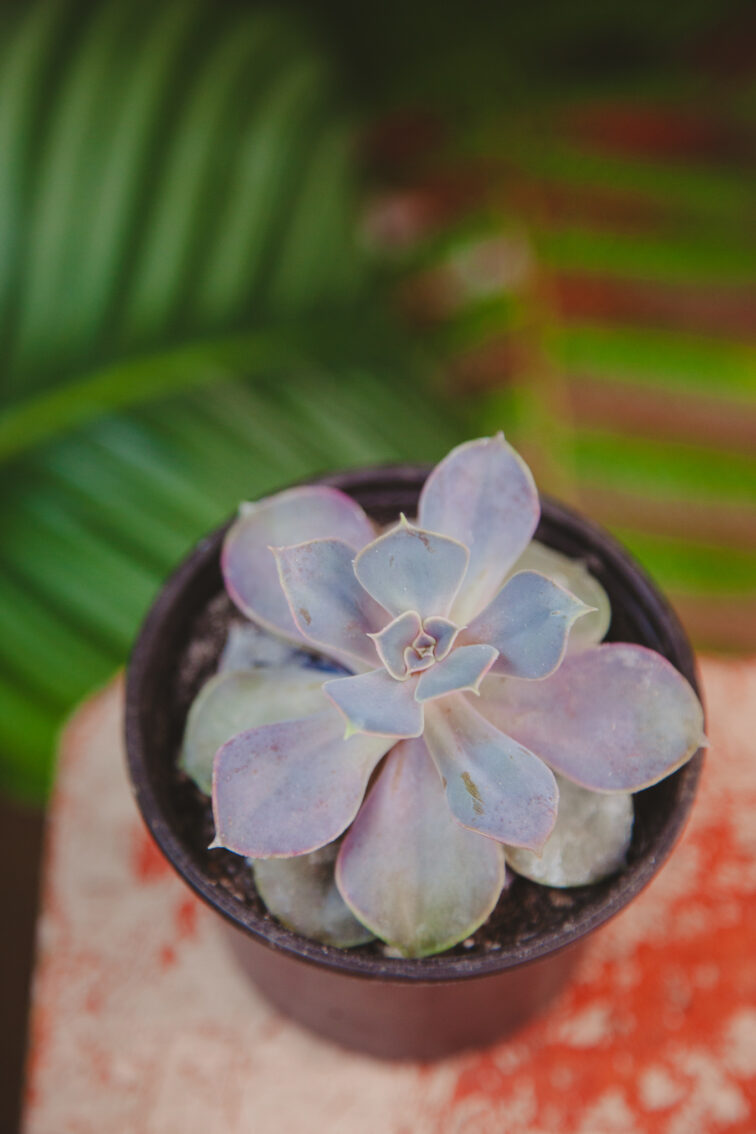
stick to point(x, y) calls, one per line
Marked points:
point(141, 1026)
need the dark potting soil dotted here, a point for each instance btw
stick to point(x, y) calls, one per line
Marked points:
point(524, 911)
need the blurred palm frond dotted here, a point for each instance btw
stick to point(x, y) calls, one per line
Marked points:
point(187, 320)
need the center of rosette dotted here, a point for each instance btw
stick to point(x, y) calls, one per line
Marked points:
point(410, 644)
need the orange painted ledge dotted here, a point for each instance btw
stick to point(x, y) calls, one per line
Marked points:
point(141, 1025)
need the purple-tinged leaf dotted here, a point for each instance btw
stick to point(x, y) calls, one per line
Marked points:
point(375, 703)
point(416, 664)
point(424, 645)
point(590, 840)
point(615, 717)
point(298, 514)
point(528, 622)
point(483, 495)
point(301, 893)
point(328, 605)
point(394, 639)
point(412, 874)
point(412, 569)
point(237, 700)
point(445, 634)
point(463, 670)
point(493, 784)
point(574, 576)
point(287, 789)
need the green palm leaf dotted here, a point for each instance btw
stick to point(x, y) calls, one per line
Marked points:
point(187, 320)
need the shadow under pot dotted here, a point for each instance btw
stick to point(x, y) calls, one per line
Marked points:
point(361, 998)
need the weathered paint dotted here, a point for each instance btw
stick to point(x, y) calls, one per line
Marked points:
point(141, 1029)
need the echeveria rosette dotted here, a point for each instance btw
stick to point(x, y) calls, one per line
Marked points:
point(427, 617)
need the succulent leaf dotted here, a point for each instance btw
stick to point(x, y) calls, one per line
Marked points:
point(417, 878)
point(298, 514)
point(394, 639)
point(615, 717)
point(250, 647)
point(414, 664)
point(445, 634)
point(301, 892)
point(493, 785)
point(590, 839)
point(328, 605)
point(235, 701)
point(375, 703)
point(483, 495)
point(463, 669)
point(574, 576)
point(528, 622)
point(289, 788)
point(409, 568)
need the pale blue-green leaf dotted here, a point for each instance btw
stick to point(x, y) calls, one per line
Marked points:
point(301, 893)
point(493, 784)
point(394, 639)
point(615, 717)
point(408, 870)
point(528, 622)
point(574, 576)
point(463, 670)
point(589, 841)
point(375, 703)
point(249, 647)
point(289, 788)
point(483, 495)
point(408, 568)
point(290, 517)
point(238, 700)
point(328, 605)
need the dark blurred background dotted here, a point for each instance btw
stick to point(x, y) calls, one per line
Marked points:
point(243, 243)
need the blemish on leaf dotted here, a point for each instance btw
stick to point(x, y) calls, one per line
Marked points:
point(473, 792)
point(304, 612)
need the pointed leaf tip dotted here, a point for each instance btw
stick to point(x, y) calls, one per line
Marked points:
point(375, 703)
point(411, 569)
point(287, 789)
point(290, 517)
point(574, 576)
point(528, 622)
point(463, 669)
point(327, 603)
point(482, 494)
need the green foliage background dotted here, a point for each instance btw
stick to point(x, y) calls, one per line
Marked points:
point(188, 314)
point(187, 320)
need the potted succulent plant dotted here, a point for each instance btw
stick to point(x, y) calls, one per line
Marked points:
point(400, 750)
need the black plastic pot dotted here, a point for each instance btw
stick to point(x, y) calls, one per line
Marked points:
point(391, 1007)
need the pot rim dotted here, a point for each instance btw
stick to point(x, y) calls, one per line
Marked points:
point(370, 486)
